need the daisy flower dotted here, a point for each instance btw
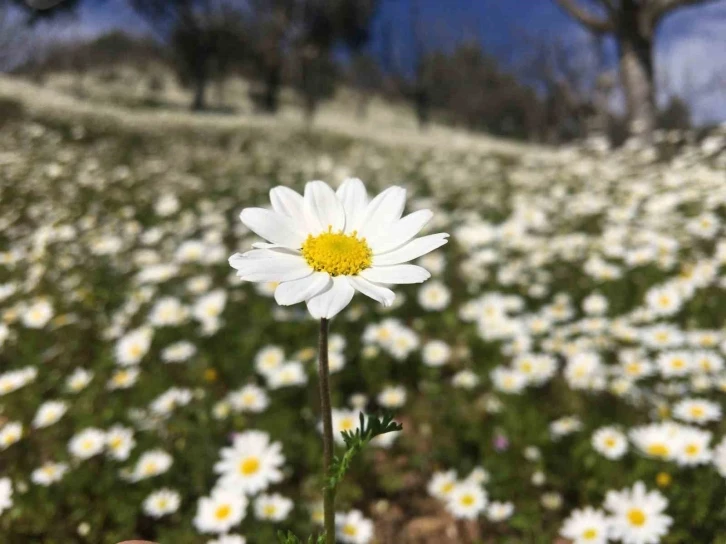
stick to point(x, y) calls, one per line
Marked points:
point(467, 500)
point(272, 507)
point(353, 528)
point(326, 245)
point(161, 503)
point(638, 515)
point(610, 443)
point(251, 464)
point(48, 473)
point(6, 494)
point(586, 526)
point(499, 511)
point(220, 512)
point(698, 411)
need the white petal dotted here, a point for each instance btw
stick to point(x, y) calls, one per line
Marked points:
point(352, 193)
point(255, 266)
point(399, 273)
point(381, 212)
point(329, 303)
point(292, 292)
point(323, 210)
point(273, 227)
point(287, 202)
point(377, 292)
point(400, 232)
point(412, 250)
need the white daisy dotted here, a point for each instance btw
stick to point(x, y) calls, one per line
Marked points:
point(161, 503)
point(49, 473)
point(251, 464)
point(273, 507)
point(637, 515)
point(6, 494)
point(87, 443)
point(220, 512)
point(610, 442)
point(467, 500)
point(353, 528)
point(586, 526)
point(326, 245)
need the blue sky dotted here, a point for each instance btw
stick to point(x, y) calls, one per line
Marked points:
point(691, 43)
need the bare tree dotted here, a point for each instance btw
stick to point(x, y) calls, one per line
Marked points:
point(199, 33)
point(633, 23)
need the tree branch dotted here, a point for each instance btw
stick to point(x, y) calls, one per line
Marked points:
point(584, 17)
point(661, 8)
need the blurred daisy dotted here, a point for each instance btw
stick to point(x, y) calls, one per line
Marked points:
point(219, 512)
point(38, 314)
point(353, 528)
point(442, 484)
point(499, 511)
point(694, 447)
point(466, 501)
point(637, 516)
point(10, 433)
point(161, 503)
point(228, 539)
point(434, 296)
point(49, 473)
point(326, 245)
point(249, 398)
point(78, 380)
point(272, 507)
point(435, 353)
point(119, 442)
point(288, 374)
point(586, 526)
point(699, 411)
point(6, 494)
point(87, 443)
point(150, 464)
point(610, 443)
point(49, 413)
point(392, 397)
point(130, 349)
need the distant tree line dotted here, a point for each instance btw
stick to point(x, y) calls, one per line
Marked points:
point(549, 95)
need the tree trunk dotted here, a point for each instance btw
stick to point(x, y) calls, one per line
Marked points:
point(635, 50)
point(200, 85)
point(271, 101)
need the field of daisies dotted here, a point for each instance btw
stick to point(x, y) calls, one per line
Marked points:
point(559, 378)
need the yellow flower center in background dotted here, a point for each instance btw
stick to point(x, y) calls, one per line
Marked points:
point(589, 534)
point(350, 530)
point(467, 500)
point(663, 479)
point(610, 442)
point(269, 510)
point(697, 411)
point(223, 512)
point(249, 466)
point(658, 450)
point(636, 517)
point(337, 254)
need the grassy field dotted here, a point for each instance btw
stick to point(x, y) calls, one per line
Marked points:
point(569, 344)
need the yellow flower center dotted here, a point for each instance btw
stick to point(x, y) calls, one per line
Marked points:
point(223, 512)
point(346, 424)
point(447, 488)
point(636, 517)
point(610, 442)
point(249, 466)
point(589, 534)
point(467, 500)
point(350, 530)
point(697, 411)
point(663, 479)
point(692, 449)
point(337, 254)
point(658, 450)
point(269, 510)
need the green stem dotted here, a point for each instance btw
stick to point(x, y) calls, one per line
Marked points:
point(326, 413)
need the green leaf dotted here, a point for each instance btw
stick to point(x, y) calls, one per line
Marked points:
point(355, 441)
